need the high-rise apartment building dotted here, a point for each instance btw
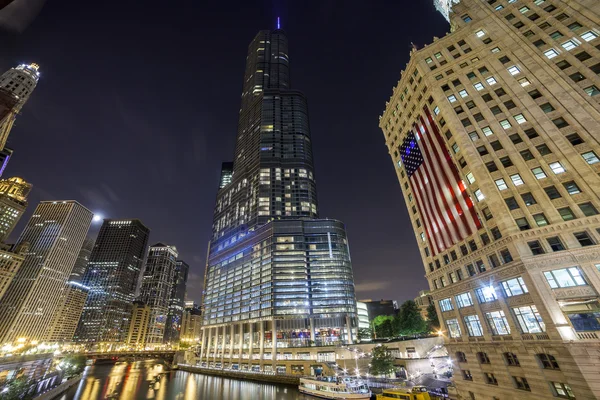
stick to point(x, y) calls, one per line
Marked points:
point(82, 260)
point(16, 86)
point(137, 335)
point(54, 233)
point(493, 133)
point(226, 174)
point(65, 320)
point(276, 276)
point(13, 202)
point(176, 302)
point(112, 277)
point(10, 262)
point(157, 286)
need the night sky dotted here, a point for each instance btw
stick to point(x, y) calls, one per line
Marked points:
point(138, 104)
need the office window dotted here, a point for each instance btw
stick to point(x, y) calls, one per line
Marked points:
point(516, 179)
point(570, 44)
point(556, 35)
point(574, 139)
point(463, 93)
point(528, 199)
point(547, 107)
point(523, 10)
point(486, 294)
point(473, 135)
point(511, 202)
point(514, 70)
point(555, 243)
point(466, 374)
point(592, 90)
point(560, 123)
point(453, 328)
point(480, 266)
point(543, 149)
point(500, 92)
point(588, 209)
point(552, 192)
point(496, 110)
point(466, 18)
point(524, 82)
point(539, 173)
point(436, 110)
point(529, 319)
point(514, 287)
point(487, 131)
point(540, 219)
point(563, 390)
point(487, 97)
point(487, 214)
point(473, 325)
point(496, 234)
point(577, 77)
point(520, 118)
point(452, 98)
point(491, 81)
point(446, 304)
point(551, 53)
point(562, 17)
point(479, 195)
point(566, 213)
point(584, 239)
point(589, 36)
point(482, 357)
point(470, 178)
point(470, 269)
point(590, 157)
point(501, 184)
point(572, 187)
point(522, 223)
point(564, 64)
point(535, 247)
point(498, 323)
point(531, 133)
point(548, 361)
point(461, 357)
point(506, 256)
point(565, 277)
point(505, 124)
point(478, 86)
point(455, 148)
point(539, 43)
point(506, 161)
point(527, 155)
point(511, 359)
point(490, 378)
point(464, 300)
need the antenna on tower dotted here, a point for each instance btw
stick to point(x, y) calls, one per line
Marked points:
point(278, 23)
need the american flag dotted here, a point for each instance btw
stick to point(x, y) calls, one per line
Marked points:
point(445, 207)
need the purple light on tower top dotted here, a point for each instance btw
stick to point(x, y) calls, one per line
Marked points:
point(278, 23)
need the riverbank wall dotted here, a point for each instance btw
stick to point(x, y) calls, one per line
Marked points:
point(60, 389)
point(242, 375)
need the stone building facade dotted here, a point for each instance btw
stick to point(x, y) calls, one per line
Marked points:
point(511, 96)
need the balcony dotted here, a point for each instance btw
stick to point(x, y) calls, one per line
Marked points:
point(589, 335)
point(537, 336)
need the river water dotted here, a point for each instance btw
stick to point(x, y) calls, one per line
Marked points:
point(149, 380)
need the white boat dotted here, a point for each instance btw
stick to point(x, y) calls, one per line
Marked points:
point(335, 388)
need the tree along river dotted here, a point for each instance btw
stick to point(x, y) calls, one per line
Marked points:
point(150, 380)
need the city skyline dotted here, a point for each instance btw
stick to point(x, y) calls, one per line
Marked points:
point(197, 166)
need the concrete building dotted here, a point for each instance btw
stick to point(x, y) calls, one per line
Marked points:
point(177, 303)
point(112, 275)
point(423, 301)
point(277, 276)
point(191, 324)
point(157, 287)
point(10, 262)
point(380, 307)
point(13, 202)
point(65, 319)
point(492, 130)
point(363, 315)
point(55, 233)
point(82, 260)
point(18, 83)
point(137, 334)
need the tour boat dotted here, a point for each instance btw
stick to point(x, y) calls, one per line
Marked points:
point(335, 388)
point(414, 393)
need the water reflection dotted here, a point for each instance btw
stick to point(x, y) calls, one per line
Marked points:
point(150, 380)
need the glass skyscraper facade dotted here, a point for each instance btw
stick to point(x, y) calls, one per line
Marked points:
point(277, 275)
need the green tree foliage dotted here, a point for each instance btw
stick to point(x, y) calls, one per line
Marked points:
point(409, 320)
point(433, 323)
point(382, 362)
point(383, 326)
point(73, 364)
point(17, 389)
point(364, 333)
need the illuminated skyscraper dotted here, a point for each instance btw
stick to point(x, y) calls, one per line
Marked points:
point(55, 233)
point(276, 276)
point(13, 202)
point(112, 277)
point(16, 85)
point(176, 302)
point(82, 260)
point(157, 286)
point(493, 132)
point(226, 174)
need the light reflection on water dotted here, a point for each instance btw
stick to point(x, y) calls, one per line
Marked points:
point(149, 380)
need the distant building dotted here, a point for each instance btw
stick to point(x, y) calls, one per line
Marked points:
point(112, 276)
point(5, 155)
point(424, 300)
point(13, 202)
point(19, 82)
point(176, 303)
point(82, 260)
point(66, 317)
point(138, 324)
point(380, 307)
point(157, 286)
point(55, 233)
point(10, 262)
point(226, 174)
point(191, 324)
point(363, 315)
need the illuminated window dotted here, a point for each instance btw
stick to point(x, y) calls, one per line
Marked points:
point(592, 90)
point(551, 53)
point(436, 110)
point(501, 184)
point(453, 328)
point(487, 131)
point(514, 70)
point(505, 124)
point(566, 277)
point(529, 319)
point(523, 10)
point(539, 173)
point(514, 287)
point(496, 50)
point(451, 98)
point(520, 118)
point(589, 36)
point(479, 195)
point(563, 390)
point(557, 168)
point(570, 44)
point(498, 323)
point(470, 178)
point(473, 325)
point(590, 157)
point(524, 82)
point(516, 179)
point(463, 93)
point(480, 33)
point(446, 304)
point(464, 300)
point(491, 80)
point(486, 294)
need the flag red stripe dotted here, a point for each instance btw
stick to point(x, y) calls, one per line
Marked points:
point(424, 214)
point(434, 225)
